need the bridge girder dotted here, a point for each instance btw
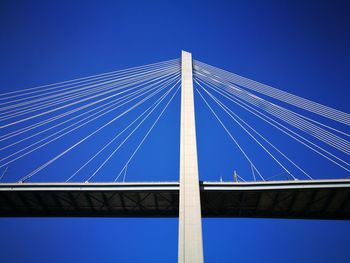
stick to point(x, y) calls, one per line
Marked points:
point(319, 199)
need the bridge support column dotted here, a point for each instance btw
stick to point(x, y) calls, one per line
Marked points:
point(190, 220)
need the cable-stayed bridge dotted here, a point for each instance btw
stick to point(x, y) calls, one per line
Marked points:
point(68, 149)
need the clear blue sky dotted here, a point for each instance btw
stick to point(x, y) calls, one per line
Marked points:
point(299, 47)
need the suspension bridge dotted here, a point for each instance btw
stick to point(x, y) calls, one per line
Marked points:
point(114, 115)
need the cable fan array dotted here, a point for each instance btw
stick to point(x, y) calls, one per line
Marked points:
point(292, 115)
point(67, 115)
point(115, 112)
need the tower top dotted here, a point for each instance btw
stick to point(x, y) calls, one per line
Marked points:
point(183, 52)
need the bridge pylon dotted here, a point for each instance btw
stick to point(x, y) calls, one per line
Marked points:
point(190, 248)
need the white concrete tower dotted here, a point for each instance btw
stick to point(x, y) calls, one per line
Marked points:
point(190, 219)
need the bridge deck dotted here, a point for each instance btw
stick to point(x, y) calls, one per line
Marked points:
point(320, 199)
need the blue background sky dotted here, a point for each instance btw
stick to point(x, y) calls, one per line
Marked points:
point(299, 47)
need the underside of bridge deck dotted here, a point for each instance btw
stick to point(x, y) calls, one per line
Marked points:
point(322, 199)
